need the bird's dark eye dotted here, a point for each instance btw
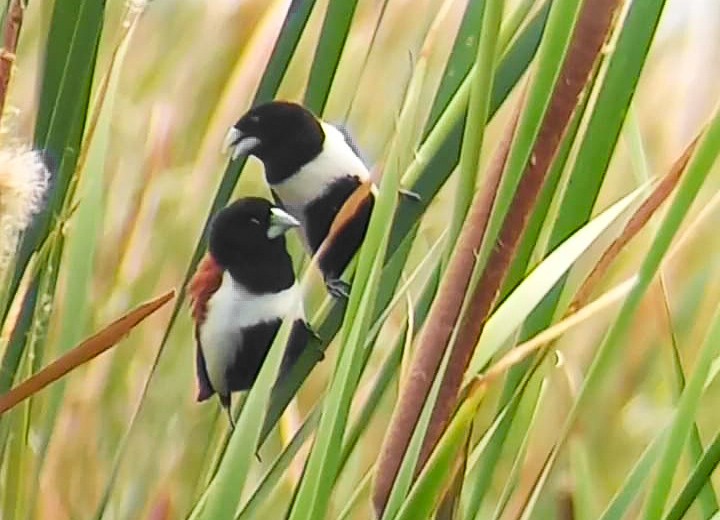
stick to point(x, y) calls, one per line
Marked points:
point(255, 119)
point(255, 221)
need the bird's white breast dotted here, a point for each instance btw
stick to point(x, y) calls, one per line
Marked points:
point(231, 309)
point(336, 160)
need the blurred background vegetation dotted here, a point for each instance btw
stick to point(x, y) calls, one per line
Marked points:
point(189, 70)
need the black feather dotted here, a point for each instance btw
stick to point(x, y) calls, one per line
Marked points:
point(256, 343)
point(321, 213)
point(239, 243)
point(205, 389)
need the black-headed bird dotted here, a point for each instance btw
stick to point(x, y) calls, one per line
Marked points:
point(240, 293)
point(312, 169)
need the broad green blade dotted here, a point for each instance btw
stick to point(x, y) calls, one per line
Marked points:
point(69, 66)
point(292, 29)
point(699, 480)
point(507, 319)
point(327, 54)
point(264, 490)
point(708, 501)
point(585, 503)
point(222, 497)
point(461, 58)
point(477, 115)
point(697, 171)
point(687, 409)
point(426, 492)
point(475, 480)
point(513, 476)
point(86, 225)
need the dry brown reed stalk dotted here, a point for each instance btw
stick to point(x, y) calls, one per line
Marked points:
point(11, 34)
point(591, 31)
point(636, 223)
point(84, 352)
point(438, 328)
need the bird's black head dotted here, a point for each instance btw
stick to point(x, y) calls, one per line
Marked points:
point(283, 135)
point(247, 239)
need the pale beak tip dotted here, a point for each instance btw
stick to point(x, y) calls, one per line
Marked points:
point(280, 222)
point(231, 138)
point(238, 144)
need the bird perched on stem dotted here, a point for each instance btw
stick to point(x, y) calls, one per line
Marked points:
point(240, 293)
point(313, 170)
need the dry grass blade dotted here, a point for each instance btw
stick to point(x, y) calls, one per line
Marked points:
point(546, 337)
point(84, 352)
point(11, 34)
point(636, 223)
point(436, 333)
point(592, 29)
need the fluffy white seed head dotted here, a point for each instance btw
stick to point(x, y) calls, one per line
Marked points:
point(23, 182)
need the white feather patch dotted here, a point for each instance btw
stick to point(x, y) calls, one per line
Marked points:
point(230, 310)
point(336, 160)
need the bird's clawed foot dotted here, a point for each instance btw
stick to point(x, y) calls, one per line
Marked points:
point(408, 194)
point(338, 288)
point(315, 334)
point(316, 348)
point(226, 403)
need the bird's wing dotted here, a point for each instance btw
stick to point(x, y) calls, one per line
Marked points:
point(350, 140)
point(205, 389)
point(251, 349)
point(353, 206)
point(298, 342)
point(204, 283)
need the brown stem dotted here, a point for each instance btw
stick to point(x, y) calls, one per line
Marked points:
point(11, 34)
point(592, 29)
point(637, 222)
point(435, 335)
point(84, 352)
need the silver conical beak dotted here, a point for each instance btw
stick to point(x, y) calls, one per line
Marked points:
point(236, 143)
point(280, 222)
